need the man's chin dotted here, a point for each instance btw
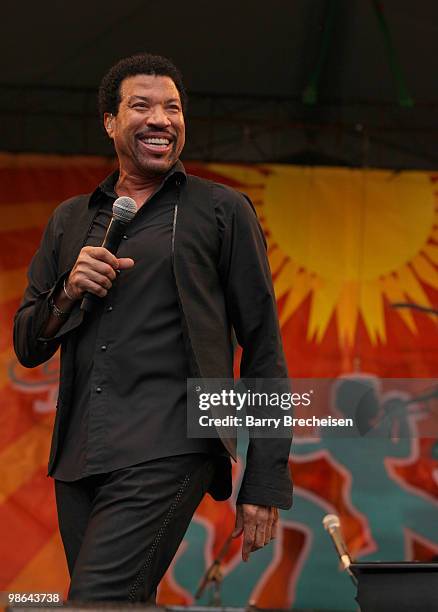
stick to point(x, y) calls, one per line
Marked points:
point(157, 167)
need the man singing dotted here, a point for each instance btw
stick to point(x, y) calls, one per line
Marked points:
point(191, 267)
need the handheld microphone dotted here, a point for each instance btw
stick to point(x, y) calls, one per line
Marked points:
point(124, 210)
point(332, 525)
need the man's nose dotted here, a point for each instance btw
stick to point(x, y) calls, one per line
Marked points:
point(157, 116)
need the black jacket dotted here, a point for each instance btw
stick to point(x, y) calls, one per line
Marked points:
point(223, 281)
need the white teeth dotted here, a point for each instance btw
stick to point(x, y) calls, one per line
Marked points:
point(158, 141)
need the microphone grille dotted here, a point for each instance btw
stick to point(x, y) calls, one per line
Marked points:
point(331, 521)
point(124, 209)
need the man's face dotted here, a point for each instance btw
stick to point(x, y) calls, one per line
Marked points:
point(148, 130)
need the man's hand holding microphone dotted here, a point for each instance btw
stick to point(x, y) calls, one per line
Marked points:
point(94, 272)
point(95, 269)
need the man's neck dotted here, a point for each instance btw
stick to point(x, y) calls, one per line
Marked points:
point(139, 188)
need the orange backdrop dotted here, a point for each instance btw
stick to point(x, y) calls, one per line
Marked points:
point(344, 245)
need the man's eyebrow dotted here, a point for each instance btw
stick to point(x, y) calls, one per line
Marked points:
point(147, 99)
point(131, 98)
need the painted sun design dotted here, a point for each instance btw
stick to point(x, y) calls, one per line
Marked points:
point(349, 239)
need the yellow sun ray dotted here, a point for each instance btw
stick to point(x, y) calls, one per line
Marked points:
point(425, 270)
point(276, 259)
point(347, 312)
point(431, 251)
point(371, 308)
point(324, 302)
point(302, 284)
point(411, 286)
point(391, 288)
point(282, 281)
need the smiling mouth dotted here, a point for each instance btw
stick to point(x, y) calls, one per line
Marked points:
point(155, 144)
point(156, 141)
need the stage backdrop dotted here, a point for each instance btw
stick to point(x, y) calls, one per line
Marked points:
point(343, 246)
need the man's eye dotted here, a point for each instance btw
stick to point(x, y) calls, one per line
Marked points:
point(139, 105)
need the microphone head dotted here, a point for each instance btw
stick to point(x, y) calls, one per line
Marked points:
point(331, 521)
point(124, 209)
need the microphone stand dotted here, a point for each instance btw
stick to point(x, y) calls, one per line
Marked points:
point(213, 576)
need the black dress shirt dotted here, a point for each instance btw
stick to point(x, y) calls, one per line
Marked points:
point(129, 399)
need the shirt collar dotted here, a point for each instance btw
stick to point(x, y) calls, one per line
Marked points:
point(106, 187)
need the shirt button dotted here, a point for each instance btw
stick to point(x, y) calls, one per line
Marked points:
point(125, 237)
point(103, 347)
point(109, 308)
point(98, 389)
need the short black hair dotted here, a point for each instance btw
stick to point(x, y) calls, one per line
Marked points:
point(141, 63)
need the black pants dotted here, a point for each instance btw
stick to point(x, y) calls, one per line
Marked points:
point(121, 530)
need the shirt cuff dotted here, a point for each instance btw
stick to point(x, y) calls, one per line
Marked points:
point(262, 489)
point(73, 320)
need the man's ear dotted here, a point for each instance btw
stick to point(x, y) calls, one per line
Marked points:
point(108, 122)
